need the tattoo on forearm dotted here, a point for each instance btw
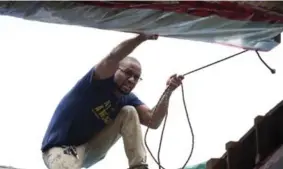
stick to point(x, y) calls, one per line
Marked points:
point(166, 96)
point(163, 102)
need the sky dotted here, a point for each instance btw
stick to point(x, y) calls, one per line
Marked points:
point(40, 62)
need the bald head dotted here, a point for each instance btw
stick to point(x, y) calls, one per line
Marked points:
point(128, 60)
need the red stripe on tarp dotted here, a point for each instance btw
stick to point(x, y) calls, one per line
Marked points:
point(229, 10)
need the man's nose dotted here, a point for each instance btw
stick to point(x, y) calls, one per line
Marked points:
point(131, 79)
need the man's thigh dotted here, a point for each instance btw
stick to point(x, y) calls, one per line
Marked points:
point(100, 144)
point(60, 158)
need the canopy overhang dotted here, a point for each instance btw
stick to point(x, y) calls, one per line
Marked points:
point(248, 25)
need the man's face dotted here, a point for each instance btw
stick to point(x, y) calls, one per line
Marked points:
point(127, 76)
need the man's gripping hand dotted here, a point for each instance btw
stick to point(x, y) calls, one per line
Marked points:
point(174, 81)
point(147, 36)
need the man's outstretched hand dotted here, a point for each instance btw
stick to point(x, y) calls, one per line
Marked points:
point(174, 81)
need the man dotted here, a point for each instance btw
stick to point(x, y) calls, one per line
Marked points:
point(100, 109)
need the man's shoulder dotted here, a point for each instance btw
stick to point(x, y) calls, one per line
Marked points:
point(88, 80)
point(132, 99)
point(131, 95)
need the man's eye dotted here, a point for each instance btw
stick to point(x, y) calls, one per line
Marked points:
point(128, 72)
point(137, 77)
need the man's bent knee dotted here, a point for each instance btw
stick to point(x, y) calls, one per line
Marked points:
point(56, 158)
point(132, 136)
point(129, 113)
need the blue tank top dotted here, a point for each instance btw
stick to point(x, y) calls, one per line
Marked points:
point(84, 111)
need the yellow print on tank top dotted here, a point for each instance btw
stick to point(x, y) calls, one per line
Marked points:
point(102, 111)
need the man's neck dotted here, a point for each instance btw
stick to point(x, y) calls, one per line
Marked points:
point(118, 94)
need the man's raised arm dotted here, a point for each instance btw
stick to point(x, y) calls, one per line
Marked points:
point(108, 65)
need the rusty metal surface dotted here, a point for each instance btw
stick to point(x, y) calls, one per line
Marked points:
point(274, 6)
point(256, 146)
point(275, 161)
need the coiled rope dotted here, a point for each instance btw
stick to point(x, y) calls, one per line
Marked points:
point(157, 161)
